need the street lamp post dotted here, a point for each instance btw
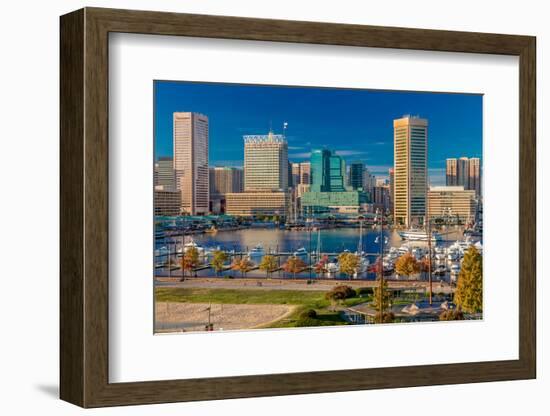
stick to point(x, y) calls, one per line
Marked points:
point(380, 218)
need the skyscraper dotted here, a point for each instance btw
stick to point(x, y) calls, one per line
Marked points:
point(475, 176)
point(328, 171)
point(265, 163)
point(410, 155)
point(191, 161)
point(295, 174)
point(451, 172)
point(392, 184)
point(356, 170)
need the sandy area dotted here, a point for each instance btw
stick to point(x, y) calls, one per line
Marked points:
point(180, 317)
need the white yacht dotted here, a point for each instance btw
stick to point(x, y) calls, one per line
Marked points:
point(418, 235)
point(301, 252)
point(256, 252)
point(192, 244)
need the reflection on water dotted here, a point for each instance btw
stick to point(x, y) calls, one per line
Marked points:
point(275, 240)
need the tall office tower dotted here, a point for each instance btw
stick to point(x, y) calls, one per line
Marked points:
point(475, 176)
point(295, 174)
point(392, 184)
point(451, 172)
point(305, 173)
point(328, 172)
point(411, 179)
point(265, 163)
point(191, 161)
point(165, 175)
point(463, 172)
point(356, 170)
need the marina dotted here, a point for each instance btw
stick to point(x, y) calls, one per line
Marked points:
point(313, 246)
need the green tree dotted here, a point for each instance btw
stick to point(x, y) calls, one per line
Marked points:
point(190, 259)
point(469, 288)
point(268, 264)
point(407, 265)
point(294, 265)
point(242, 265)
point(349, 263)
point(218, 261)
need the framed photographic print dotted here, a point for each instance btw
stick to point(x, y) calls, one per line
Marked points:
point(257, 207)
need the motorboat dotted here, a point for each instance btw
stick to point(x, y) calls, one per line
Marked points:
point(193, 244)
point(301, 252)
point(418, 235)
point(256, 252)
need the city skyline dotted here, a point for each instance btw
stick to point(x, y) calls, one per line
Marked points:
point(362, 129)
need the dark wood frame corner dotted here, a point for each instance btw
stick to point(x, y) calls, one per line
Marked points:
point(84, 207)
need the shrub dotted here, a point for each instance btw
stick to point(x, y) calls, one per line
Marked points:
point(310, 313)
point(364, 291)
point(451, 315)
point(339, 293)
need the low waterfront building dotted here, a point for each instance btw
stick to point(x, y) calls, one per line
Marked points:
point(452, 202)
point(166, 202)
point(320, 202)
point(257, 203)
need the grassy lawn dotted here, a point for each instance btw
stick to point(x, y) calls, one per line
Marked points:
point(315, 299)
point(304, 300)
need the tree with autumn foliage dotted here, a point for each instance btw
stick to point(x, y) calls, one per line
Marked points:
point(469, 288)
point(218, 261)
point(268, 264)
point(242, 265)
point(407, 265)
point(190, 259)
point(381, 302)
point(349, 263)
point(294, 265)
point(321, 266)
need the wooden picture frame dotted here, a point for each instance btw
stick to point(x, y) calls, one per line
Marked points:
point(84, 207)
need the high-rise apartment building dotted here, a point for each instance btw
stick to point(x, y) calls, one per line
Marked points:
point(464, 172)
point(474, 180)
point(452, 172)
point(191, 161)
point(356, 171)
point(410, 169)
point(265, 163)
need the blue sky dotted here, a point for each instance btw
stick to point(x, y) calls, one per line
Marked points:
point(357, 124)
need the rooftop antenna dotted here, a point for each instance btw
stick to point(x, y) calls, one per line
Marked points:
point(285, 125)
